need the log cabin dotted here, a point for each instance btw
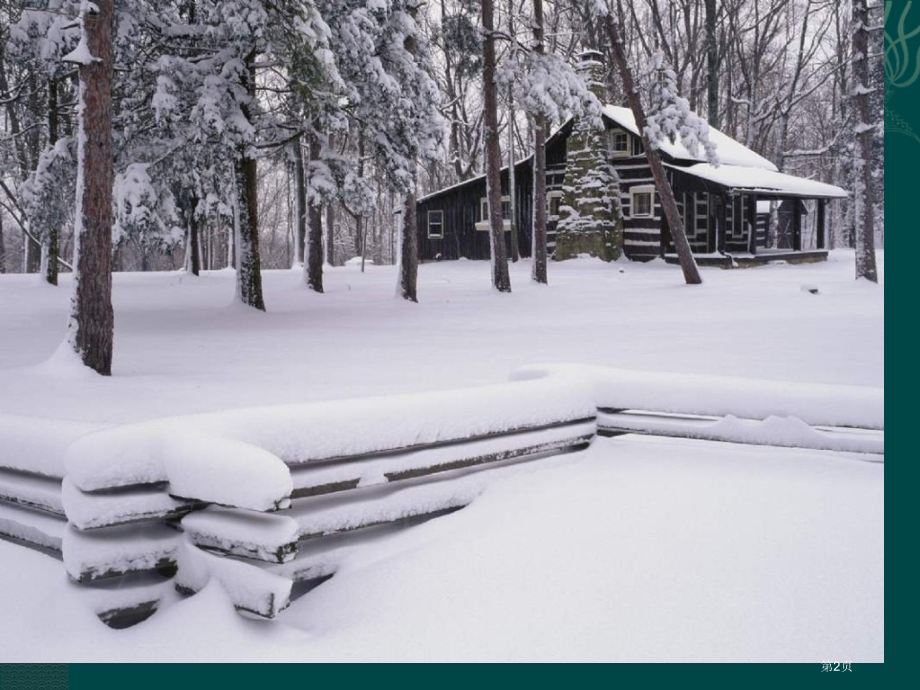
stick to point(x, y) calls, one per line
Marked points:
point(727, 210)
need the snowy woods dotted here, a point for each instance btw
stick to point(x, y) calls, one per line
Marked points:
point(254, 135)
point(412, 328)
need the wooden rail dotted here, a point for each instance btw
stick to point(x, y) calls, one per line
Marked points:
point(304, 544)
point(126, 543)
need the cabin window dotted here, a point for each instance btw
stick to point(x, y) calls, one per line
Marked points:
point(483, 223)
point(484, 208)
point(638, 149)
point(642, 202)
point(435, 224)
point(553, 202)
point(618, 143)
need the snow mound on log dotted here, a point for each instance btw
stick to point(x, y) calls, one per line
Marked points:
point(254, 440)
point(38, 445)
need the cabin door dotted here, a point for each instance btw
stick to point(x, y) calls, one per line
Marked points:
point(784, 225)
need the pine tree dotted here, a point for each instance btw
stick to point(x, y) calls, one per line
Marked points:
point(91, 325)
point(38, 41)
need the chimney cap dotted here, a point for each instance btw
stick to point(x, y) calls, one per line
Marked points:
point(590, 55)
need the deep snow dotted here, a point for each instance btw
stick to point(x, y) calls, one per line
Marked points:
point(635, 551)
point(638, 549)
point(182, 345)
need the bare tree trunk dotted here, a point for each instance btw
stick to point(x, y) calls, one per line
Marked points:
point(512, 183)
point(501, 280)
point(231, 236)
point(539, 166)
point(330, 220)
point(361, 221)
point(330, 233)
point(2, 247)
point(300, 204)
point(668, 204)
point(248, 269)
point(193, 246)
point(862, 169)
point(712, 64)
point(408, 251)
point(408, 244)
point(50, 247)
point(32, 257)
point(314, 258)
point(512, 187)
point(92, 320)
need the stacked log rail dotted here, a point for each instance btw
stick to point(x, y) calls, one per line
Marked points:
point(121, 545)
point(843, 419)
point(270, 501)
point(267, 502)
point(306, 543)
point(31, 511)
point(33, 514)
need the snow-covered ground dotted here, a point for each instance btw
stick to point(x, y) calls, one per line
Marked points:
point(181, 345)
point(637, 549)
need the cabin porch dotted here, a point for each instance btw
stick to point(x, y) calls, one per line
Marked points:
point(727, 216)
point(763, 257)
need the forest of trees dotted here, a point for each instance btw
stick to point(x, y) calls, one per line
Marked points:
point(261, 134)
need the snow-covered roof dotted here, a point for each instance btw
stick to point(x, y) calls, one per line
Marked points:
point(730, 152)
point(758, 180)
point(452, 187)
point(741, 169)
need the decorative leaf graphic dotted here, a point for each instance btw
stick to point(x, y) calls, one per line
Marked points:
point(898, 73)
point(894, 123)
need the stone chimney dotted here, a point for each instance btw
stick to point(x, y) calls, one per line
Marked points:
point(590, 221)
point(591, 67)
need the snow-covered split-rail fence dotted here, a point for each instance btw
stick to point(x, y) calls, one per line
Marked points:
point(267, 501)
point(734, 410)
point(270, 501)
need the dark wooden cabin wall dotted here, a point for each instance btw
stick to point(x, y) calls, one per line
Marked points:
point(462, 210)
point(642, 237)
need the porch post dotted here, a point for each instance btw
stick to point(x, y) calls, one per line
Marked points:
point(821, 239)
point(796, 225)
point(752, 224)
point(738, 219)
point(722, 229)
point(712, 233)
point(665, 235)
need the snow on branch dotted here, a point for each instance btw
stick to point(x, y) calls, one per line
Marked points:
point(81, 54)
point(670, 117)
point(547, 85)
